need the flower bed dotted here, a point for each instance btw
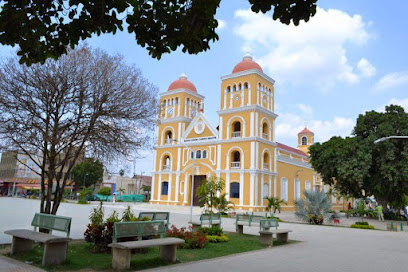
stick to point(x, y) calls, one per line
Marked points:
point(192, 239)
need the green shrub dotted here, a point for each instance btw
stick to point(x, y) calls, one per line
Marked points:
point(362, 223)
point(192, 239)
point(128, 215)
point(213, 231)
point(273, 217)
point(217, 239)
point(314, 208)
point(355, 226)
point(120, 200)
point(105, 191)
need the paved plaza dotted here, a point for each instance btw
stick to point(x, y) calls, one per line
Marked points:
point(321, 248)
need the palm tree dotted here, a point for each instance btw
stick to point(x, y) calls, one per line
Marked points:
point(274, 203)
point(121, 191)
point(222, 204)
point(314, 208)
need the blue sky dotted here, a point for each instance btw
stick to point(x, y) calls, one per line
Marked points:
point(349, 58)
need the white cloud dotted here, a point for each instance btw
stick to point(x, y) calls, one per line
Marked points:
point(221, 24)
point(366, 68)
point(392, 80)
point(313, 52)
point(395, 101)
point(305, 109)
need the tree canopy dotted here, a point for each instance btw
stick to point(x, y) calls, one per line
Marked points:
point(44, 29)
point(359, 168)
point(87, 173)
point(85, 102)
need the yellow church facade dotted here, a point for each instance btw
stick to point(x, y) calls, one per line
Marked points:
point(241, 150)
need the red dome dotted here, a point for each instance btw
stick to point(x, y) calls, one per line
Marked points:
point(246, 64)
point(306, 131)
point(182, 83)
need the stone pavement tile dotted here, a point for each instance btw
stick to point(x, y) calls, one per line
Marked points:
point(11, 265)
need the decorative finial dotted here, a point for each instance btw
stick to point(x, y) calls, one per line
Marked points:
point(247, 56)
point(183, 75)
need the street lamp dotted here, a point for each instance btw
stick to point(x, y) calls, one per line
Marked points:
point(390, 137)
point(192, 178)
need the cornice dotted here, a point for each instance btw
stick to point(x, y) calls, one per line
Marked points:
point(248, 108)
point(294, 162)
point(173, 120)
point(249, 72)
point(178, 91)
point(218, 141)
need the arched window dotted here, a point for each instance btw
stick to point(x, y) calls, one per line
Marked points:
point(246, 85)
point(166, 163)
point(198, 154)
point(236, 160)
point(165, 188)
point(297, 189)
point(308, 186)
point(239, 87)
point(284, 189)
point(204, 154)
point(234, 190)
point(265, 190)
point(192, 155)
point(265, 130)
point(236, 132)
point(266, 161)
point(229, 89)
point(304, 140)
point(234, 88)
point(169, 137)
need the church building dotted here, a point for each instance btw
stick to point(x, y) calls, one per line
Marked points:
point(241, 150)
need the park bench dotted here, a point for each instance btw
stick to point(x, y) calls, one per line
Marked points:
point(207, 219)
point(156, 216)
point(249, 220)
point(266, 236)
point(55, 247)
point(121, 251)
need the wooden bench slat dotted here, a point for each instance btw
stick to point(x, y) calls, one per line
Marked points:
point(147, 243)
point(36, 236)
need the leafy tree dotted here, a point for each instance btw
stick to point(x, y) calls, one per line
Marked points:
point(87, 173)
point(207, 192)
point(274, 203)
point(357, 167)
point(121, 191)
point(105, 191)
point(314, 208)
point(83, 194)
point(86, 99)
point(45, 29)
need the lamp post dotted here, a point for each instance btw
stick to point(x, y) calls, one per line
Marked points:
point(84, 179)
point(192, 178)
point(390, 137)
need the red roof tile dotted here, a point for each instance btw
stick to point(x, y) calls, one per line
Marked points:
point(305, 131)
point(292, 150)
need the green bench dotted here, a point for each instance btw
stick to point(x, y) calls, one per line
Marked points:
point(121, 251)
point(249, 220)
point(207, 219)
point(156, 216)
point(55, 247)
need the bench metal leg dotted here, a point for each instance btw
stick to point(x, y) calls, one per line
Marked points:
point(240, 229)
point(169, 253)
point(54, 253)
point(21, 245)
point(120, 258)
point(266, 239)
point(282, 237)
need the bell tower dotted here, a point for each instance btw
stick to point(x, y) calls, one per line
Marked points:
point(305, 140)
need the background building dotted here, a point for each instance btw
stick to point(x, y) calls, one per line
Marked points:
point(241, 149)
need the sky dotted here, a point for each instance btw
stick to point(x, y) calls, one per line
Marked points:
point(348, 59)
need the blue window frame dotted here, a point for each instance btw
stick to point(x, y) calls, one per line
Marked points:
point(165, 187)
point(234, 190)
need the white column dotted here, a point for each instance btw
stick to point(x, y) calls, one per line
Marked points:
point(176, 193)
point(220, 131)
point(170, 185)
point(185, 107)
point(262, 189)
point(256, 190)
point(256, 125)
point(241, 189)
point(270, 186)
point(257, 95)
point(257, 155)
point(243, 130)
point(251, 190)
point(227, 167)
point(185, 195)
point(165, 109)
point(249, 94)
point(178, 107)
point(228, 132)
point(218, 177)
point(227, 186)
point(275, 194)
point(219, 157)
point(179, 133)
point(251, 125)
point(242, 97)
point(252, 155)
point(153, 187)
point(230, 106)
point(225, 99)
point(159, 187)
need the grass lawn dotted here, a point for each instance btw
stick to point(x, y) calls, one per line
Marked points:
point(80, 257)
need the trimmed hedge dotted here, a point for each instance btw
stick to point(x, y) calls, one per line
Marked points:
point(362, 223)
point(217, 239)
point(355, 226)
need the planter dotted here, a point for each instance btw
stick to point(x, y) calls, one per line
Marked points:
point(392, 227)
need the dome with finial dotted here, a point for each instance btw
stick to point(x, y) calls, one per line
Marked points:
point(246, 64)
point(182, 83)
point(306, 131)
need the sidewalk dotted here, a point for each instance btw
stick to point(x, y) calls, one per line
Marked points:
point(11, 265)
